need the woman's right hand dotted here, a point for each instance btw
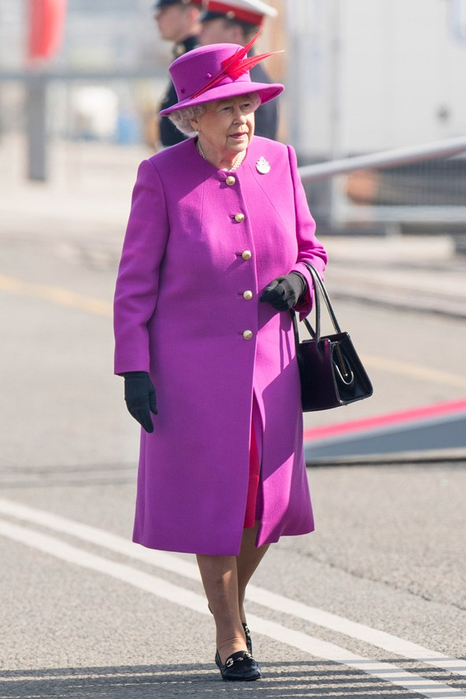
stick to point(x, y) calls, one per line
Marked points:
point(283, 293)
point(140, 398)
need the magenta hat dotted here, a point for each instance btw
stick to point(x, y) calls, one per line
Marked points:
point(216, 72)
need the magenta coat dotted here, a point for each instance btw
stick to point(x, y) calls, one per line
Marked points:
point(182, 314)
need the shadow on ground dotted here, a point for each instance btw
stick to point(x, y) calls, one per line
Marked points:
point(284, 680)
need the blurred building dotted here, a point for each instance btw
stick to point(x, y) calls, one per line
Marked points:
point(111, 63)
point(110, 33)
point(97, 33)
point(360, 75)
point(366, 76)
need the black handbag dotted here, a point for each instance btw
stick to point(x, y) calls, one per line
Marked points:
point(330, 370)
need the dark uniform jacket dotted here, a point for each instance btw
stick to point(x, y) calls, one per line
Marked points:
point(169, 134)
point(267, 114)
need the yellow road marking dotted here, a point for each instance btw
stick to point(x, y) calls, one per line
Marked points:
point(56, 295)
point(414, 371)
point(69, 298)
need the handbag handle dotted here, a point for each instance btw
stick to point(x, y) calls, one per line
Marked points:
point(342, 366)
point(319, 290)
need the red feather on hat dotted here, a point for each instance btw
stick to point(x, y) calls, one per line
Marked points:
point(235, 65)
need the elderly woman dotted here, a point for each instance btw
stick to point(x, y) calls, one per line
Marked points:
point(212, 262)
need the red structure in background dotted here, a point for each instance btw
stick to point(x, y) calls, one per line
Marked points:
point(46, 23)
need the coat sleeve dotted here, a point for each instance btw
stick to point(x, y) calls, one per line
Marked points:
point(310, 249)
point(138, 275)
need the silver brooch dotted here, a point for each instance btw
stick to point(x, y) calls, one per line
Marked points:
point(263, 165)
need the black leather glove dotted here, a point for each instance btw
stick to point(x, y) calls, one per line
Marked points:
point(140, 398)
point(284, 292)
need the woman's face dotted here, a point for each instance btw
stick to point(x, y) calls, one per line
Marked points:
point(227, 125)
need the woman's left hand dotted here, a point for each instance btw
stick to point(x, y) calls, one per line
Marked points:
point(284, 292)
point(140, 398)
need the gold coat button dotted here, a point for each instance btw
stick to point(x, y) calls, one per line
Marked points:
point(230, 180)
point(246, 255)
point(248, 334)
point(239, 218)
point(248, 295)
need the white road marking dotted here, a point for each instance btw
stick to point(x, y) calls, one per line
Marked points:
point(178, 595)
point(104, 672)
point(258, 595)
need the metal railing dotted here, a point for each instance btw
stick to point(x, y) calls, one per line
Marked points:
point(388, 158)
point(343, 211)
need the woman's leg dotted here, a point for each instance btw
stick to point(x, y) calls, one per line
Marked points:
point(247, 562)
point(225, 579)
point(250, 556)
point(220, 579)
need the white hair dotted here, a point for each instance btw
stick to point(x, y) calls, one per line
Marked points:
point(182, 117)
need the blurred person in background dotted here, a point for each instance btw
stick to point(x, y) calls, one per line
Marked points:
point(213, 261)
point(177, 21)
point(236, 22)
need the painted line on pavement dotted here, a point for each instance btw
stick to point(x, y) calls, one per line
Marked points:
point(107, 673)
point(57, 295)
point(414, 371)
point(258, 595)
point(62, 296)
point(397, 419)
point(185, 598)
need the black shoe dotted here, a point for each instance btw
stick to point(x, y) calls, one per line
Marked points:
point(239, 667)
point(247, 633)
